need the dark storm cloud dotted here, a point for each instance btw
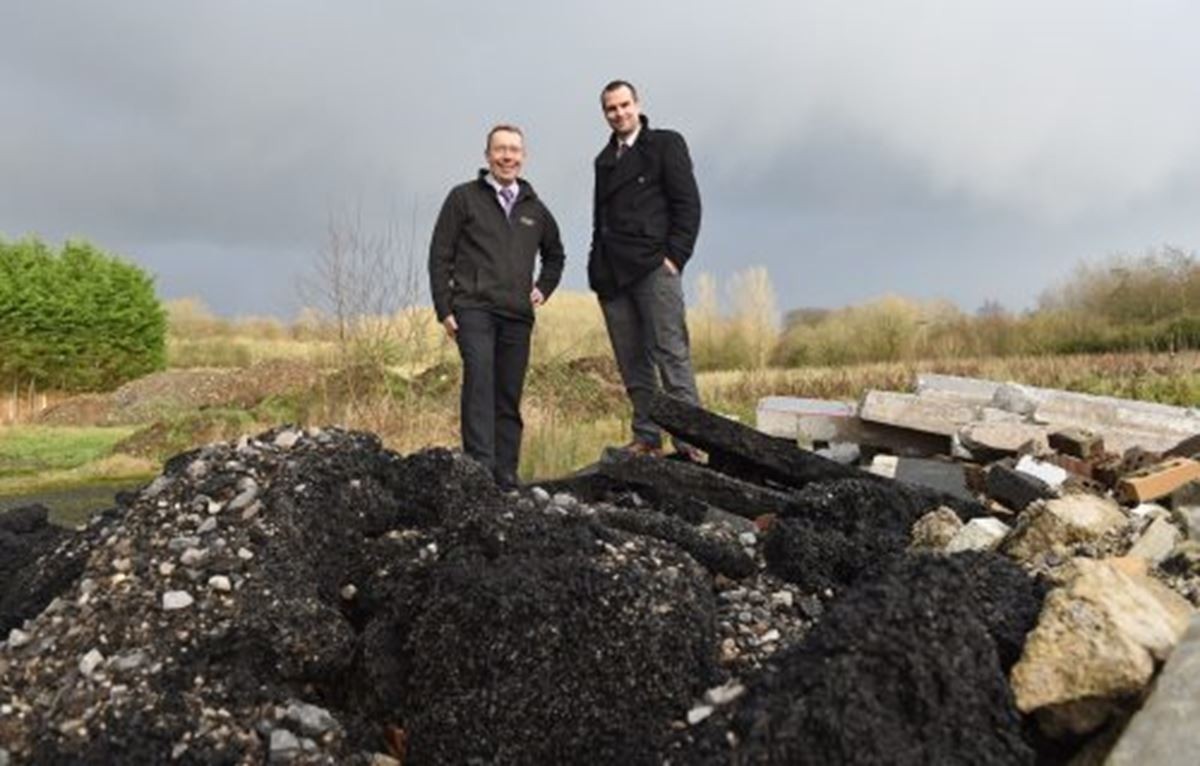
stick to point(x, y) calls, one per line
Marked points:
point(965, 150)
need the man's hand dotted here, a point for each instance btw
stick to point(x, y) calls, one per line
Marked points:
point(671, 267)
point(451, 325)
point(536, 297)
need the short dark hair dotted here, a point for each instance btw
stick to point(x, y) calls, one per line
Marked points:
point(616, 85)
point(503, 127)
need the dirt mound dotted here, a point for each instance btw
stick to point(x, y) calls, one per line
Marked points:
point(162, 394)
point(903, 670)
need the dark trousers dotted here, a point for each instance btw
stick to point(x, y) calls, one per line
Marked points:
point(495, 354)
point(648, 328)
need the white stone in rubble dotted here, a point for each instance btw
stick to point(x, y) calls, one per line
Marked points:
point(1048, 472)
point(287, 439)
point(17, 638)
point(725, 693)
point(177, 599)
point(92, 660)
point(1157, 542)
point(981, 534)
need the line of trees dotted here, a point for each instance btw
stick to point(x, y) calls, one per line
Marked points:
point(1149, 302)
point(75, 319)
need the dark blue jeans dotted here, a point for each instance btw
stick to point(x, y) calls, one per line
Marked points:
point(647, 326)
point(495, 355)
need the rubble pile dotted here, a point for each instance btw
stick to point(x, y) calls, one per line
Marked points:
point(311, 597)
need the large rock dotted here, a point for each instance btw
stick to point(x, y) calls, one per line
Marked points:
point(1164, 731)
point(1095, 646)
point(1055, 525)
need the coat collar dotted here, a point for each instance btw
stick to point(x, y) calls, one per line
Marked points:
point(608, 155)
point(524, 188)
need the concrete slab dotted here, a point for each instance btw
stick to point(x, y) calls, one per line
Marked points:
point(974, 390)
point(1004, 438)
point(831, 421)
point(1164, 731)
point(790, 417)
point(910, 411)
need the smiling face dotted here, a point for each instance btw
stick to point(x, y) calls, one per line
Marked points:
point(621, 110)
point(505, 155)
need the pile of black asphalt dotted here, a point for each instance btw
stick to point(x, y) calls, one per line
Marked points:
point(38, 560)
point(404, 599)
point(308, 596)
point(909, 668)
point(839, 532)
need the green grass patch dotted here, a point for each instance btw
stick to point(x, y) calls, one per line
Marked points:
point(26, 450)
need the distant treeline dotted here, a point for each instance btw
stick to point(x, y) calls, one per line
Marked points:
point(80, 319)
point(1125, 303)
point(75, 319)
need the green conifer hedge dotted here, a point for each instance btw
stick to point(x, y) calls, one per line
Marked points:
point(78, 319)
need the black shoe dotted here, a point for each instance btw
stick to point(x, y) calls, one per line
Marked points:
point(507, 482)
point(690, 454)
point(636, 447)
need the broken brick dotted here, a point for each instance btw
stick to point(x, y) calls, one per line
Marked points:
point(1159, 480)
point(1071, 464)
point(1077, 443)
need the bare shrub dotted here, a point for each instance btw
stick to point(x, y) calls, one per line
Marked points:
point(368, 287)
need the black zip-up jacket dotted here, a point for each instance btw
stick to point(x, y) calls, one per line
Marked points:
point(480, 259)
point(646, 208)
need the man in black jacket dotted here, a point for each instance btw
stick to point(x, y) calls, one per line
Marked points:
point(645, 220)
point(481, 263)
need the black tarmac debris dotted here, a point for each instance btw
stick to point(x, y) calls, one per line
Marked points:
point(902, 670)
point(38, 560)
point(842, 531)
point(311, 597)
point(318, 571)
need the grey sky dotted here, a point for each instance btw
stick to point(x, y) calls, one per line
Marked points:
point(932, 148)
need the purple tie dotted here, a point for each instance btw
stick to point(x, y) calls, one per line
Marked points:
point(506, 194)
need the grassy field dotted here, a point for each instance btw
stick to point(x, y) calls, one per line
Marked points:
point(34, 458)
point(573, 409)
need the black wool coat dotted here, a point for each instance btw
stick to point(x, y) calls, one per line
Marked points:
point(646, 208)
